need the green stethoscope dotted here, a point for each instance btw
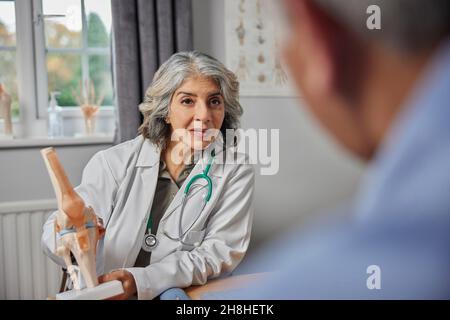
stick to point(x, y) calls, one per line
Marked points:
point(150, 241)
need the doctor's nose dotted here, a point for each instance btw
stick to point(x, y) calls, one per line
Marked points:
point(202, 113)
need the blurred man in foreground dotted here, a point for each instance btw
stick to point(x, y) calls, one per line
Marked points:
point(384, 94)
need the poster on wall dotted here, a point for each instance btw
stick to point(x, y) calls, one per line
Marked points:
point(253, 43)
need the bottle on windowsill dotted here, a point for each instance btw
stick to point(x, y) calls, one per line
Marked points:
point(54, 118)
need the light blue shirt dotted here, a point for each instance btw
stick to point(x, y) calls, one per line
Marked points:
point(401, 216)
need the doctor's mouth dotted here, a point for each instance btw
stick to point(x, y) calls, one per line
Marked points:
point(261, 145)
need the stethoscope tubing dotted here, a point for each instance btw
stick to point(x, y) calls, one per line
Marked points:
point(204, 175)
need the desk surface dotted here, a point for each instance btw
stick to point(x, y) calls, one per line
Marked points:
point(223, 284)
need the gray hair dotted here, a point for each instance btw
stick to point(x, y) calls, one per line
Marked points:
point(170, 76)
point(406, 25)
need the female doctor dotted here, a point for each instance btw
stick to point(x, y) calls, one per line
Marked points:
point(165, 227)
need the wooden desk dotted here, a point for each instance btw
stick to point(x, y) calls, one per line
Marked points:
point(223, 284)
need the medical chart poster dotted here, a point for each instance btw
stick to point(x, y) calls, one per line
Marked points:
point(253, 30)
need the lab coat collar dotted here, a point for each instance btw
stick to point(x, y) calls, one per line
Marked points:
point(149, 154)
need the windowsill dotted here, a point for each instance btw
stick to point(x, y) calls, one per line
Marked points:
point(9, 143)
point(75, 112)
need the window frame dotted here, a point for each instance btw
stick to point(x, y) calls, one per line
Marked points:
point(31, 66)
point(30, 125)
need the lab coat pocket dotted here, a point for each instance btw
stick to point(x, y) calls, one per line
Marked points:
point(192, 239)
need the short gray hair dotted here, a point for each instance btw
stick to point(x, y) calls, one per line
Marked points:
point(406, 25)
point(170, 76)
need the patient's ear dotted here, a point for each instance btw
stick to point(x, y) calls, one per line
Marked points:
point(312, 53)
point(326, 64)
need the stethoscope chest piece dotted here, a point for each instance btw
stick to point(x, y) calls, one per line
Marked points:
point(150, 242)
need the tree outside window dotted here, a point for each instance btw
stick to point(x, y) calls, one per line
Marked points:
point(78, 49)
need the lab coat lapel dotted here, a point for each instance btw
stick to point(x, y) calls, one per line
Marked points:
point(137, 199)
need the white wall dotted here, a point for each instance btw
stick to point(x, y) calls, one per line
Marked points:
point(314, 172)
point(23, 175)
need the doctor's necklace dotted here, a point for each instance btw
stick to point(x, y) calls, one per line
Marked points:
point(150, 242)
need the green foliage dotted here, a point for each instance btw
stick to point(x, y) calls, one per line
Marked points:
point(6, 38)
point(58, 36)
point(64, 74)
point(99, 65)
point(97, 34)
point(8, 75)
point(65, 70)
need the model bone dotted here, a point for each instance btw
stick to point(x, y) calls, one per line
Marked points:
point(76, 225)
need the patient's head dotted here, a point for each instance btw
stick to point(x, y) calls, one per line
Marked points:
point(356, 79)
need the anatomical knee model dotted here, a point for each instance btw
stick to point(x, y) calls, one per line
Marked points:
point(75, 224)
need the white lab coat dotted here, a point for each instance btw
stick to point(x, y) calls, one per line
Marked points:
point(119, 184)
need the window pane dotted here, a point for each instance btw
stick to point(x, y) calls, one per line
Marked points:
point(8, 77)
point(98, 17)
point(63, 32)
point(100, 74)
point(7, 23)
point(64, 75)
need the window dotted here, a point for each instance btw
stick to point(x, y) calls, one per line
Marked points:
point(77, 50)
point(8, 72)
point(56, 46)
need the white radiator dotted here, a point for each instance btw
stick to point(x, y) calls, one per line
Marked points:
point(25, 272)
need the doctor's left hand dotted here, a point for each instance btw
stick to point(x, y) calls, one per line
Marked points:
point(128, 283)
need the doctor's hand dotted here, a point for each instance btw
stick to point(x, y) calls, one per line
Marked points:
point(128, 283)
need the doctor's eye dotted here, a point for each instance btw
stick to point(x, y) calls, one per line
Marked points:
point(215, 102)
point(187, 101)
